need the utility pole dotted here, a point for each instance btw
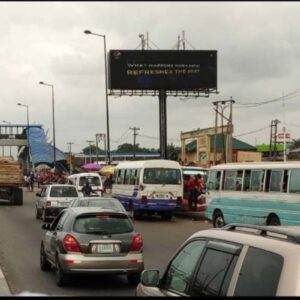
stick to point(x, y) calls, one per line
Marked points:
point(70, 154)
point(134, 138)
point(219, 108)
point(90, 142)
point(273, 140)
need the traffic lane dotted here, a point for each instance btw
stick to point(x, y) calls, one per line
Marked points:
point(20, 237)
point(163, 238)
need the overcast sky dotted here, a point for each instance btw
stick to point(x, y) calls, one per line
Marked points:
point(257, 43)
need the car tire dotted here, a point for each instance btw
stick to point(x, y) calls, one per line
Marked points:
point(273, 221)
point(134, 279)
point(218, 220)
point(166, 216)
point(44, 263)
point(37, 215)
point(44, 218)
point(61, 278)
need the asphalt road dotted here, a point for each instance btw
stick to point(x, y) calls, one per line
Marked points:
point(20, 237)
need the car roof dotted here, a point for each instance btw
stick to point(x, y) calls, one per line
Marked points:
point(278, 239)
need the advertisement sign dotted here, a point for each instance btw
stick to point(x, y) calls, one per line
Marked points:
point(163, 69)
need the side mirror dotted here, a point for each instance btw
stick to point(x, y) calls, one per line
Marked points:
point(150, 278)
point(38, 194)
point(46, 226)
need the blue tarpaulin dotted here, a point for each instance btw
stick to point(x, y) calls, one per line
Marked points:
point(41, 151)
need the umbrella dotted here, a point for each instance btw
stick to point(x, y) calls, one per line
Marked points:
point(107, 170)
point(91, 167)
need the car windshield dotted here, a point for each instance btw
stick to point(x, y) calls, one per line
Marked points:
point(103, 223)
point(63, 191)
point(93, 180)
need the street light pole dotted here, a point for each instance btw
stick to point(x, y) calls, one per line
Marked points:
point(106, 94)
point(28, 144)
point(53, 122)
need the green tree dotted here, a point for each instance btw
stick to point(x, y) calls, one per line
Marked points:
point(86, 150)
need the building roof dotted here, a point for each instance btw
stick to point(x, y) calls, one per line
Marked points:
point(236, 144)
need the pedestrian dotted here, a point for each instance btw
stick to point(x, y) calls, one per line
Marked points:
point(31, 181)
point(26, 180)
point(191, 191)
point(87, 189)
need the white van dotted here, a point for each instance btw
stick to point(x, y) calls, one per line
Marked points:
point(80, 179)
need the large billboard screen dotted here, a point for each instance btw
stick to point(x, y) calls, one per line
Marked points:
point(163, 69)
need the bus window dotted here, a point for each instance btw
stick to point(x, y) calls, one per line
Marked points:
point(247, 180)
point(255, 180)
point(213, 182)
point(126, 176)
point(275, 182)
point(285, 180)
point(239, 180)
point(229, 184)
point(121, 176)
point(294, 186)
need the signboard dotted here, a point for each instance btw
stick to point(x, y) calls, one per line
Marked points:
point(280, 137)
point(174, 70)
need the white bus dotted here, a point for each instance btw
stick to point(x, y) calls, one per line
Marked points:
point(150, 186)
point(262, 193)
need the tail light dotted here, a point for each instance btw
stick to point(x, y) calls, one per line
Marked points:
point(137, 243)
point(70, 244)
point(144, 199)
point(48, 203)
point(179, 201)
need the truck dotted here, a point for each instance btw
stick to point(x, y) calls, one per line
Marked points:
point(11, 180)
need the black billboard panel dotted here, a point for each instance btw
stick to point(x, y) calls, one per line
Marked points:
point(163, 69)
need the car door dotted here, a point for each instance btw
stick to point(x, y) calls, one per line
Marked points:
point(201, 268)
point(51, 236)
point(41, 200)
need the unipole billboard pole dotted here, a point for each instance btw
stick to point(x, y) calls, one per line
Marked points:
point(162, 97)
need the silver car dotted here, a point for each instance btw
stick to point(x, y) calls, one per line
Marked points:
point(235, 260)
point(52, 199)
point(90, 240)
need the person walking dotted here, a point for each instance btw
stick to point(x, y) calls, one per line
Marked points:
point(31, 181)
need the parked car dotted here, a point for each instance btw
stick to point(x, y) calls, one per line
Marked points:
point(51, 199)
point(102, 202)
point(91, 240)
point(235, 260)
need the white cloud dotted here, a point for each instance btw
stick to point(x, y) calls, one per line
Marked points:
point(257, 43)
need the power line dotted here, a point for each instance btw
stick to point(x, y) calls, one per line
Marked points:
point(250, 132)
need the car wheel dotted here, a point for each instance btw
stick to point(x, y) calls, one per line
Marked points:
point(166, 216)
point(37, 215)
point(134, 279)
point(218, 220)
point(44, 218)
point(274, 221)
point(62, 279)
point(44, 263)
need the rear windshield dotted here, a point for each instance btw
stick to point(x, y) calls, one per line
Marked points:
point(63, 191)
point(105, 223)
point(162, 176)
point(93, 180)
point(99, 203)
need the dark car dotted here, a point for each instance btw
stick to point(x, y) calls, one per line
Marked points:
point(91, 240)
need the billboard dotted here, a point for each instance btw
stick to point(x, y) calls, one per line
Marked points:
point(163, 69)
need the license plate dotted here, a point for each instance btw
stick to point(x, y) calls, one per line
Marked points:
point(105, 248)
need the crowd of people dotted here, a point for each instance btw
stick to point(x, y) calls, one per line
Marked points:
point(193, 189)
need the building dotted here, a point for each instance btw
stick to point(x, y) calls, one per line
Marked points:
point(207, 148)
